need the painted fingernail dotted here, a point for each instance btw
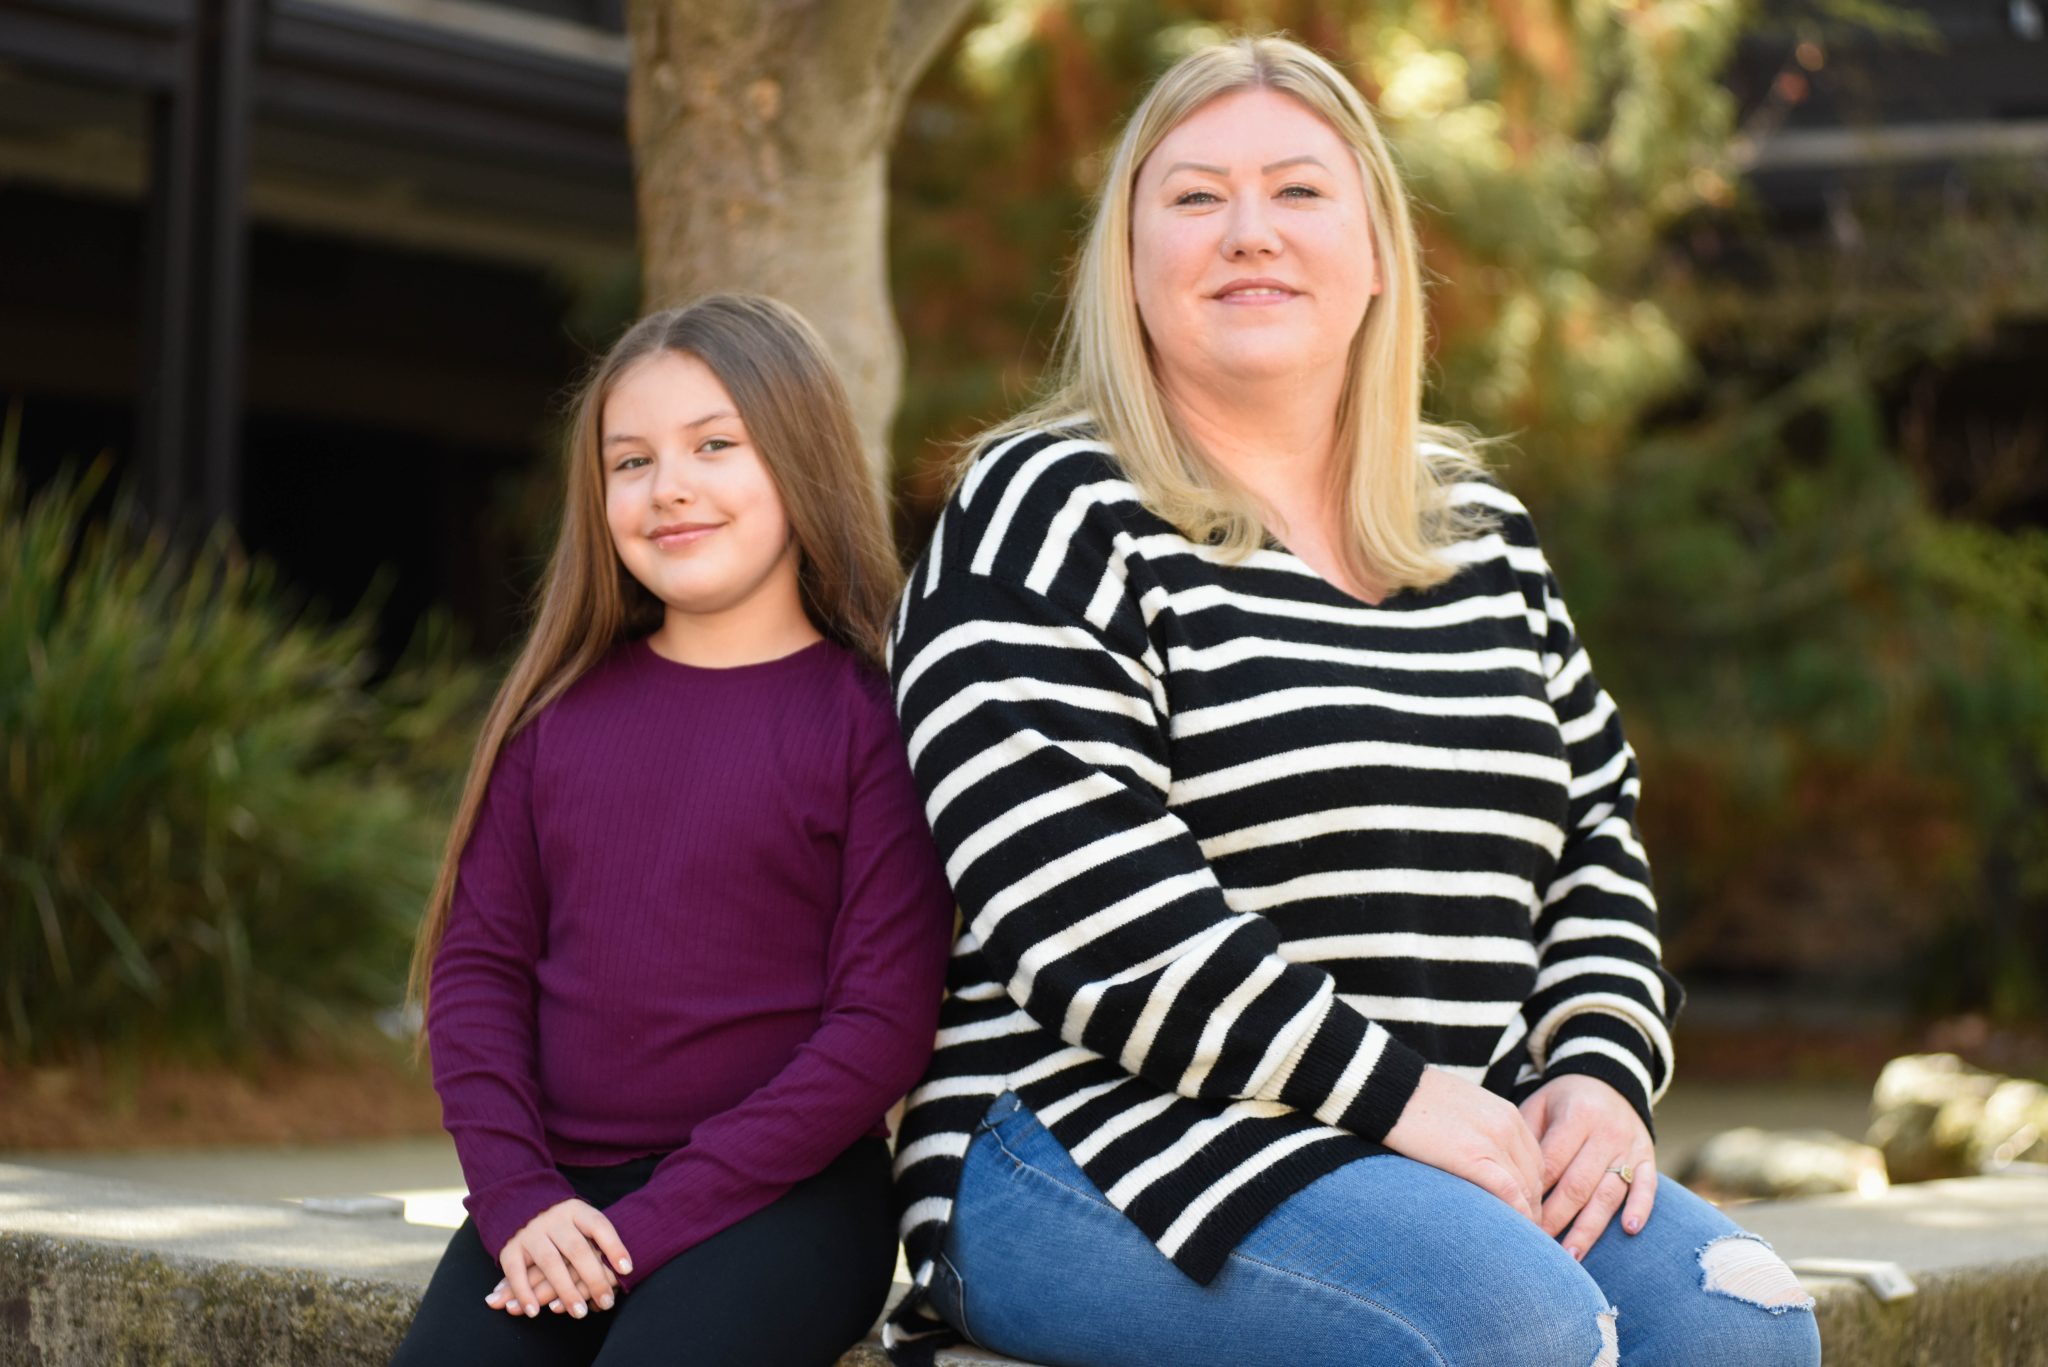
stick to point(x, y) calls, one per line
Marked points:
point(1578, 1255)
point(580, 1310)
point(532, 1310)
point(605, 1301)
point(556, 1306)
point(511, 1305)
point(626, 1266)
point(1631, 1224)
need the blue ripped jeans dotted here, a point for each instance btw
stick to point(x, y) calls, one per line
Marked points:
point(1384, 1261)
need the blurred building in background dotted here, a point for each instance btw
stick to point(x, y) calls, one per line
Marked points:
point(1853, 136)
point(320, 267)
point(311, 265)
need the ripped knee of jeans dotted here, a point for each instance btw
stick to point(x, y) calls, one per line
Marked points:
point(1742, 1267)
point(1610, 1346)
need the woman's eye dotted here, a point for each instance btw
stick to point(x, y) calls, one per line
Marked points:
point(1306, 192)
point(714, 445)
point(1196, 197)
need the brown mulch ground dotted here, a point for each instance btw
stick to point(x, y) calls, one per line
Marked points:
point(115, 1105)
point(1781, 1052)
point(379, 1094)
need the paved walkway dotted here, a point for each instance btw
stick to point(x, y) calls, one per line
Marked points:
point(424, 1174)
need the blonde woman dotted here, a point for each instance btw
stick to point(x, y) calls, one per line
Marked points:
point(1308, 1006)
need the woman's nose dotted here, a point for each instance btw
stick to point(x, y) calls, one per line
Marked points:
point(1251, 231)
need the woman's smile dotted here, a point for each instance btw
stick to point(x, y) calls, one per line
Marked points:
point(1255, 293)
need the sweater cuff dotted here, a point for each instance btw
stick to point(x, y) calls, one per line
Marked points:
point(1607, 1046)
point(1353, 1075)
point(502, 1209)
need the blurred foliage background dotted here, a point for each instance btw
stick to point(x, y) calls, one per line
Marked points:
point(1828, 633)
point(215, 832)
point(1830, 642)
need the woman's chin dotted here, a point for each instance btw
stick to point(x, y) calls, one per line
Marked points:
point(1269, 365)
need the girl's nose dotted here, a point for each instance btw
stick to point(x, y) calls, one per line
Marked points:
point(672, 482)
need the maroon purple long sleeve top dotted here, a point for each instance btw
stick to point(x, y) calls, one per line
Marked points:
point(701, 914)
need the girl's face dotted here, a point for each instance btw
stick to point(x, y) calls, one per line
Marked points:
point(1251, 248)
point(692, 508)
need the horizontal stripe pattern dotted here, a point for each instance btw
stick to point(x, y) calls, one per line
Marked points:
point(1238, 855)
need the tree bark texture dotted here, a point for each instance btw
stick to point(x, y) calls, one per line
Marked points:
point(761, 133)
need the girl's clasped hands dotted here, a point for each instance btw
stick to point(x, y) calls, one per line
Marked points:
point(571, 1245)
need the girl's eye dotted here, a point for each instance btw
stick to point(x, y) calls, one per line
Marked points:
point(630, 462)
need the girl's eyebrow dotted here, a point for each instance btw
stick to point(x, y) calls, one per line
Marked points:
point(616, 438)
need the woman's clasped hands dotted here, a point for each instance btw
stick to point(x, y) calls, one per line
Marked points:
point(1556, 1160)
point(1597, 1158)
point(570, 1244)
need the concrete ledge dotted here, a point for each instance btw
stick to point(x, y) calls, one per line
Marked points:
point(1977, 1248)
point(95, 1271)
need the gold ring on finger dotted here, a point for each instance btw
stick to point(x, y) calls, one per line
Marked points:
point(1626, 1172)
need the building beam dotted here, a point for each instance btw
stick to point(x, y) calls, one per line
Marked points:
point(197, 271)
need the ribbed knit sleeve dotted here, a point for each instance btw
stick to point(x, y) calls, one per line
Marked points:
point(885, 973)
point(1603, 1004)
point(1037, 741)
point(480, 1009)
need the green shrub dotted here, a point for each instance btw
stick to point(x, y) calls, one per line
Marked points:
point(215, 833)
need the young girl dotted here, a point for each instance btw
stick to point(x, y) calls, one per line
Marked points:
point(689, 939)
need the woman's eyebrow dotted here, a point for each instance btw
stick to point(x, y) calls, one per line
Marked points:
point(1266, 170)
point(1303, 159)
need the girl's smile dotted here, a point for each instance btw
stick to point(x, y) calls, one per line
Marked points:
point(696, 515)
point(680, 534)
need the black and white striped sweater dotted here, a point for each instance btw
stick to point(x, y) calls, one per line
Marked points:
point(1238, 854)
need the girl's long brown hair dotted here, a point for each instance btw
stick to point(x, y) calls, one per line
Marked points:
point(775, 367)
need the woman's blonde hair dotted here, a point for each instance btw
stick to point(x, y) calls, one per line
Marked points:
point(1393, 469)
point(776, 368)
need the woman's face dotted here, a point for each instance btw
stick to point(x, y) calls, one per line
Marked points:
point(693, 511)
point(1250, 245)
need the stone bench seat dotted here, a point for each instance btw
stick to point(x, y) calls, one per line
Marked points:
point(97, 1271)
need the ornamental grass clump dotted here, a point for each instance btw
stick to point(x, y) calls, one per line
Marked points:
point(215, 833)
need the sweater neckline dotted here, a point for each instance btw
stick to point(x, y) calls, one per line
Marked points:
point(1394, 600)
point(751, 672)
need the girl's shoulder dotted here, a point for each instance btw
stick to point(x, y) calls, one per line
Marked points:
point(863, 686)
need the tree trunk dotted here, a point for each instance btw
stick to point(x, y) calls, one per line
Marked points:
point(761, 133)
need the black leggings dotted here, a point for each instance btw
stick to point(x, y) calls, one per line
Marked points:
point(794, 1285)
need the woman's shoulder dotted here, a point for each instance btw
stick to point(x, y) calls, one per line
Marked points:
point(1479, 495)
point(1035, 492)
point(1012, 461)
